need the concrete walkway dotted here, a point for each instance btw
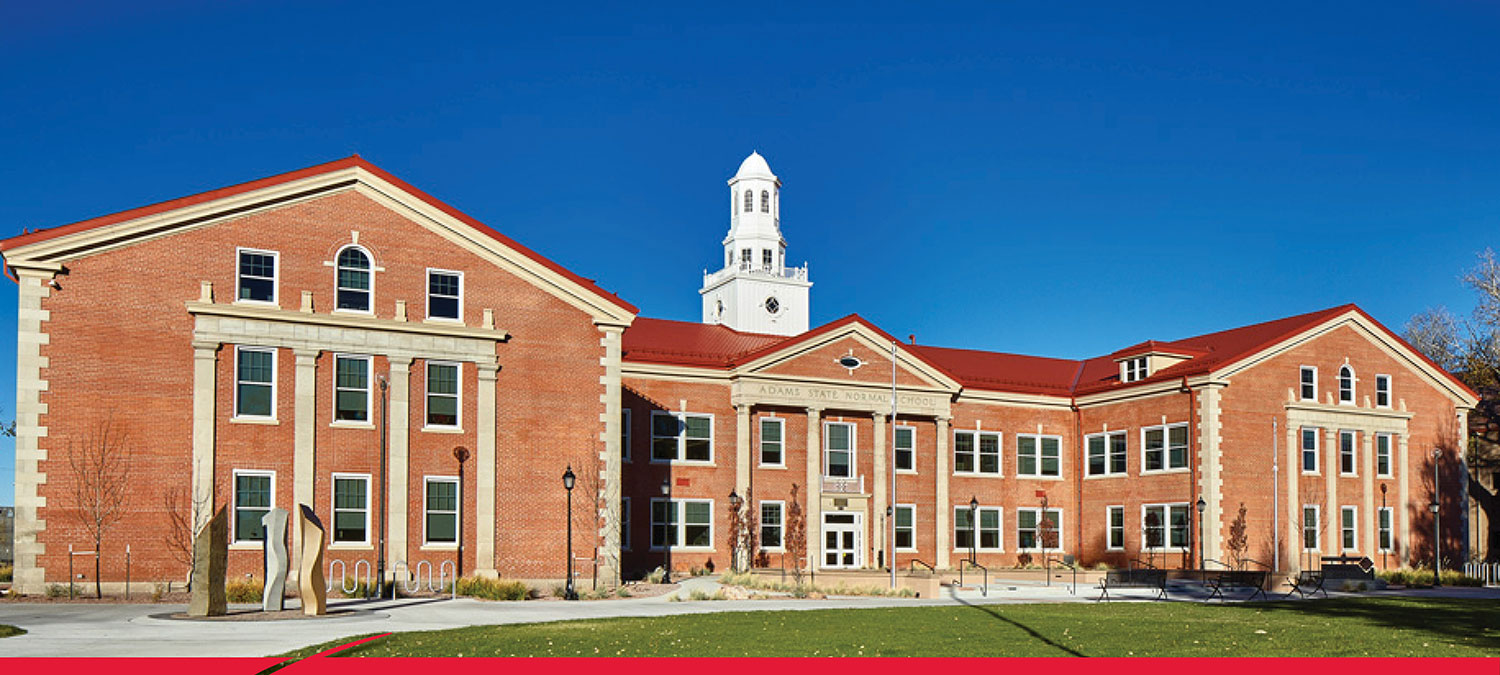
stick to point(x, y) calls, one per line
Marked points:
point(132, 630)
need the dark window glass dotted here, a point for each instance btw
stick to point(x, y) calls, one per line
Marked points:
point(252, 500)
point(257, 277)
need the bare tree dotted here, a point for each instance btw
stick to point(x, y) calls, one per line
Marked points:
point(7, 428)
point(1239, 538)
point(796, 534)
point(593, 515)
point(180, 531)
point(100, 464)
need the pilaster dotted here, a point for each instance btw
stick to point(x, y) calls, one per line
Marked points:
point(1210, 471)
point(878, 525)
point(944, 507)
point(1403, 510)
point(742, 479)
point(398, 470)
point(304, 435)
point(205, 367)
point(1328, 528)
point(814, 486)
point(1367, 543)
point(485, 469)
point(610, 520)
point(35, 287)
point(1293, 509)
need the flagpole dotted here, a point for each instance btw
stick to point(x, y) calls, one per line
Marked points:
point(890, 514)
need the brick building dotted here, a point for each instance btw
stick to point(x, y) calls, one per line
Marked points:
point(267, 344)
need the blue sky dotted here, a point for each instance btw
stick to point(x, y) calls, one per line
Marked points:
point(997, 176)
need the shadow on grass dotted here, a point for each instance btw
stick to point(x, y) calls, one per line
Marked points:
point(1442, 617)
point(990, 610)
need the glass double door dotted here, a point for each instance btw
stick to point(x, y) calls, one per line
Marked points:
point(843, 539)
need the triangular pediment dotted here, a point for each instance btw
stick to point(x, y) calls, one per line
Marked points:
point(829, 353)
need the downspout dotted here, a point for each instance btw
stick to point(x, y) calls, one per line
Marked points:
point(1195, 543)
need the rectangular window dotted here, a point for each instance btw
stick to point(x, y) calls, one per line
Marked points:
point(1038, 455)
point(772, 443)
point(625, 523)
point(682, 437)
point(351, 509)
point(442, 394)
point(1166, 526)
point(441, 511)
point(1382, 391)
point(1036, 530)
point(256, 276)
point(906, 527)
point(255, 382)
point(906, 449)
point(1346, 453)
point(625, 434)
point(1309, 450)
point(1309, 383)
point(351, 388)
point(1311, 527)
point(1347, 519)
point(1383, 524)
point(693, 529)
point(765, 256)
point(976, 452)
point(771, 516)
point(1116, 528)
point(253, 494)
point(1383, 455)
point(838, 450)
point(1135, 369)
point(445, 295)
point(1107, 454)
point(745, 258)
point(989, 529)
point(1164, 448)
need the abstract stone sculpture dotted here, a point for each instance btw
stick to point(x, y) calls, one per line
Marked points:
point(310, 575)
point(273, 598)
point(210, 559)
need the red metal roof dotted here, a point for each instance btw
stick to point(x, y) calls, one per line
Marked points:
point(329, 167)
point(689, 344)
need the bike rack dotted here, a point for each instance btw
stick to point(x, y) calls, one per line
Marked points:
point(344, 577)
point(445, 571)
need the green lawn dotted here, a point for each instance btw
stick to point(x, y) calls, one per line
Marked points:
point(1343, 627)
point(7, 631)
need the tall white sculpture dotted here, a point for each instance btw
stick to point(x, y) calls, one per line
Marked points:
point(273, 598)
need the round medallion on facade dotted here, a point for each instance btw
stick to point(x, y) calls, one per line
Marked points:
point(773, 305)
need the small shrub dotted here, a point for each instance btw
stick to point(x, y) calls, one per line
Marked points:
point(6, 572)
point(157, 592)
point(1422, 578)
point(61, 590)
point(244, 590)
point(622, 592)
point(493, 589)
point(656, 576)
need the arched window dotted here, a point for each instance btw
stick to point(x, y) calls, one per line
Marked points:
point(749, 201)
point(1346, 384)
point(353, 279)
point(765, 202)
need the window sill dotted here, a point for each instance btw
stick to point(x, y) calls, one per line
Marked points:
point(1159, 472)
point(442, 430)
point(442, 321)
point(352, 425)
point(978, 550)
point(1385, 475)
point(257, 303)
point(354, 312)
point(908, 550)
point(771, 466)
point(351, 546)
point(975, 474)
point(1050, 549)
point(682, 462)
point(1114, 549)
point(1180, 549)
point(683, 549)
point(264, 421)
point(1348, 475)
point(1312, 473)
point(906, 472)
point(246, 546)
point(1022, 476)
point(1106, 475)
point(439, 547)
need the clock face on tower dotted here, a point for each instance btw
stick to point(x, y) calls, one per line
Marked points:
point(772, 305)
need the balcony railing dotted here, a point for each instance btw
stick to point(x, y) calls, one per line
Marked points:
point(797, 273)
point(843, 486)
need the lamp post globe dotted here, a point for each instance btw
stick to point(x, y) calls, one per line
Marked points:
point(570, 593)
point(667, 531)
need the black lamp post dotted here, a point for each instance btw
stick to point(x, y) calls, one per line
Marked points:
point(570, 593)
point(739, 531)
point(668, 531)
point(461, 454)
point(973, 528)
point(1202, 573)
point(1384, 546)
point(1437, 531)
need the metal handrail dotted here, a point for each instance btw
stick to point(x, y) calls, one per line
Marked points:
point(913, 566)
point(983, 590)
point(1253, 560)
point(1072, 589)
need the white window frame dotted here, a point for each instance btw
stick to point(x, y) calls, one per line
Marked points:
point(760, 446)
point(1166, 527)
point(979, 517)
point(681, 525)
point(1108, 437)
point(458, 505)
point(624, 523)
point(761, 520)
point(1166, 449)
point(275, 300)
point(897, 435)
point(1353, 386)
point(1038, 439)
point(1383, 389)
point(1390, 464)
point(1386, 532)
point(978, 435)
point(369, 419)
point(1351, 530)
point(1135, 369)
point(679, 458)
point(458, 397)
point(1317, 528)
point(853, 449)
point(897, 529)
point(1302, 395)
point(625, 416)
point(1061, 541)
point(428, 315)
point(1109, 527)
point(336, 287)
point(1317, 450)
point(234, 501)
point(274, 352)
point(333, 509)
point(1353, 453)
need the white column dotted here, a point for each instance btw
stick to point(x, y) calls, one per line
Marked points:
point(304, 435)
point(1403, 504)
point(610, 440)
point(485, 469)
point(205, 362)
point(1367, 543)
point(1330, 525)
point(1292, 472)
point(742, 454)
point(878, 527)
point(30, 577)
point(398, 467)
point(1210, 481)
point(944, 506)
point(814, 486)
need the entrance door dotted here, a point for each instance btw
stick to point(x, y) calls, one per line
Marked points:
point(842, 540)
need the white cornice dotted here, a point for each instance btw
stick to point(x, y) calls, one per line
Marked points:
point(343, 321)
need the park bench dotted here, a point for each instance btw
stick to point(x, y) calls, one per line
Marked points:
point(1221, 580)
point(1307, 582)
point(1133, 578)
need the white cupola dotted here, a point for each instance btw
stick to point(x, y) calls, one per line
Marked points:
point(755, 291)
